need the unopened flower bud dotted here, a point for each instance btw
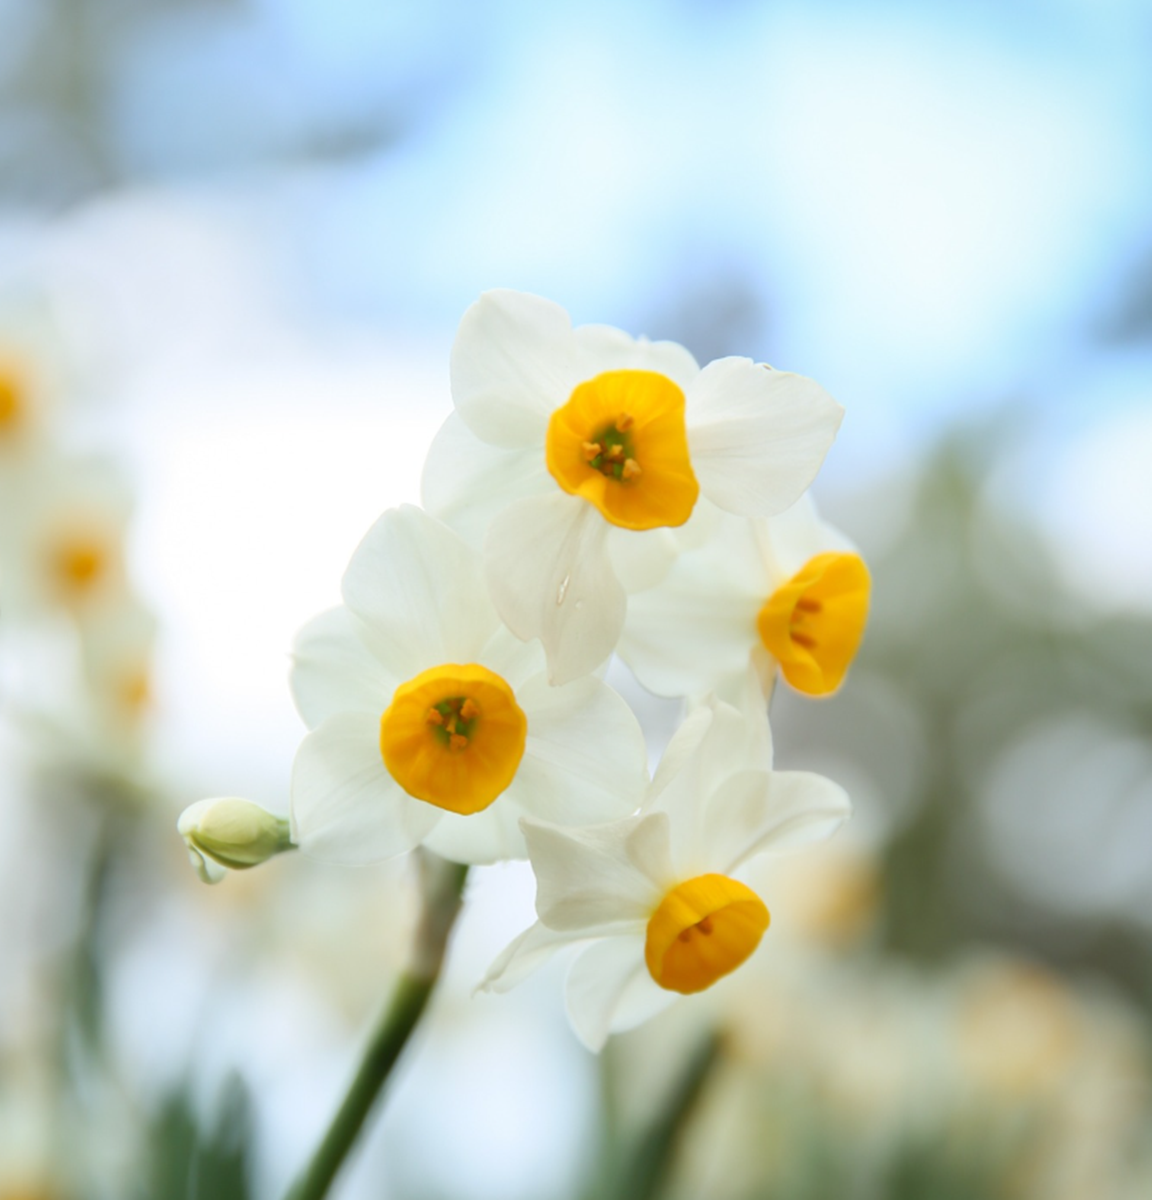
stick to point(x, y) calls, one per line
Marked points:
point(228, 832)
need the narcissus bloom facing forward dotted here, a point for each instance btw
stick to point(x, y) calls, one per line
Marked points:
point(657, 897)
point(62, 538)
point(787, 593)
point(432, 723)
point(576, 449)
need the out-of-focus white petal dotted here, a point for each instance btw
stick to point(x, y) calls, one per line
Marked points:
point(333, 671)
point(609, 990)
point(801, 808)
point(466, 481)
point(490, 836)
point(548, 571)
point(641, 558)
point(346, 808)
point(585, 760)
point(513, 362)
point(605, 348)
point(694, 631)
point(756, 436)
point(791, 538)
point(525, 954)
point(419, 590)
point(587, 880)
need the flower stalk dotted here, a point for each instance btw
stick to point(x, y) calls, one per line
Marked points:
point(644, 1176)
point(442, 885)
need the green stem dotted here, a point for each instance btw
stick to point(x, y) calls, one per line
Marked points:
point(442, 884)
point(644, 1175)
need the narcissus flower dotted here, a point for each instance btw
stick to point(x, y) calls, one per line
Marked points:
point(62, 538)
point(432, 723)
point(787, 593)
point(658, 898)
point(576, 450)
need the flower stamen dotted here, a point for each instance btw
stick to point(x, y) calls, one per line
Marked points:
point(701, 930)
point(453, 736)
point(813, 623)
point(611, 427)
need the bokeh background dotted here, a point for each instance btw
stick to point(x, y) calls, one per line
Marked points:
point(252, 226)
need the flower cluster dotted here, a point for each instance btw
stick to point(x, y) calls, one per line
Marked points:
point(64, 582)
point(591, 494)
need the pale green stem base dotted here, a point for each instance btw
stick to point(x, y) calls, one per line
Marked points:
point(442, 884)
point(645, 1172)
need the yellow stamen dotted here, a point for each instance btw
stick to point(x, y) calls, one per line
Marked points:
point(635, 416)
point(465, 760)
point(812, 625)
point(703, 929)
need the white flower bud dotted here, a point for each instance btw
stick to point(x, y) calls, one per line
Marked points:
point(233, 833)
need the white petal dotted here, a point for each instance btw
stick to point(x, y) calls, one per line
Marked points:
point(801, 808)
point(739, 739)
point(346, 808)
point(513, 660)
point(333, 670)
point(641, 558)
point(419, 590)
point(734, 818)
point(609, 989)
point(604, 348)
point(756, 436)
point(586, 879)
point(466, 482)
point(525, 954)
point(513, 362)
point(493, 835)
point(684, 744)
point(585, 760)
point(731, 742)
point(548, 572)
point(694, 632)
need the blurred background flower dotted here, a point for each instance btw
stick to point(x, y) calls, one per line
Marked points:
point(237, 236)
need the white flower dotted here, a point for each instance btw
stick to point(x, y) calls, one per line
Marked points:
point(788, 592)
point(62, 538)
point(432, 723)
point(578, 449)
point(32, 376)
point(658, 895)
